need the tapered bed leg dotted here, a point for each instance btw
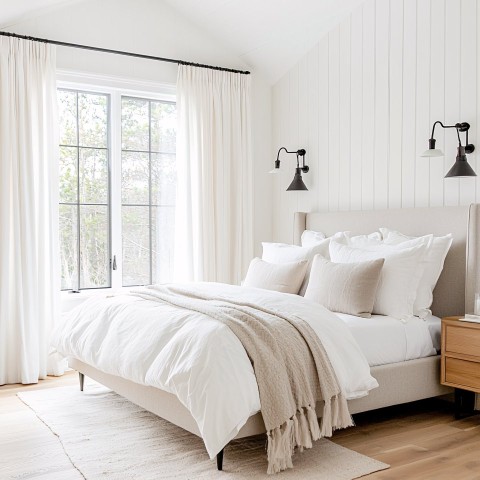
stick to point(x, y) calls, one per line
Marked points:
point(81, 377)
point(220, 460)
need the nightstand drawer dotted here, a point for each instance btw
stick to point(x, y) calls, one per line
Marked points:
point(462, 340)
point(462, 372)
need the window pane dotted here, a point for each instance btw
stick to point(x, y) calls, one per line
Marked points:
point(93, 176)
point(163, 227)
point(68, 247)
point(136, 246)
point(135, 178)
point(92, 118)
point(67, 111)
point(68, 174)
point(94, 250)
point(164, 124)
point(135, 127)
point(164, 179)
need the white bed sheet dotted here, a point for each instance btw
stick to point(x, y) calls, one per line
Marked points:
point(385, 340)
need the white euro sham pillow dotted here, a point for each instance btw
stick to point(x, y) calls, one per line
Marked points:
point(310, 238)
point(359, 241)
point(399, 279)
point(285, 277)
point(437, 251)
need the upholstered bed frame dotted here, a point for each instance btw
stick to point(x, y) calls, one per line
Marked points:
point(399, 382)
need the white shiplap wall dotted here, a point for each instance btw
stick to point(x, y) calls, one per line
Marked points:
point(362, 103)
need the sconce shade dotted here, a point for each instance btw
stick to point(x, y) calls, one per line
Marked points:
point(297, 182)
point(432, 152)
point(461, 167)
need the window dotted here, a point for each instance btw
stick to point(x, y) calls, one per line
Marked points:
point(148, 190)
point(117, 188)
point(84, 190)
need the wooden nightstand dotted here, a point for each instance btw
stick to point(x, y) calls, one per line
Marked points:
point(461, 362)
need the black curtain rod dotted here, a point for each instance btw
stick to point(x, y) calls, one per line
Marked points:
point(120, 52)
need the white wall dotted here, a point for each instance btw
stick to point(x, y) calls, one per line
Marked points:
point(362, 103)
point(152, 27)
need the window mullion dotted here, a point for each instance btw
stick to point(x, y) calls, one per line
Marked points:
point(116, 185)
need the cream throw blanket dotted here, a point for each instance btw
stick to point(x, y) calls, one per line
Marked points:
point(291, 366)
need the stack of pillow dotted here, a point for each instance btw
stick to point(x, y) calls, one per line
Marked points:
point(385, 273)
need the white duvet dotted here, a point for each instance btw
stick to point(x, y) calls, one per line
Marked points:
point(195, 357)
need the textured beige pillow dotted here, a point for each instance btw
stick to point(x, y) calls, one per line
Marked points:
point(345, 287)
point(284, 277)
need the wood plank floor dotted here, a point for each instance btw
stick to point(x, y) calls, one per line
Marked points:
point(419, 440)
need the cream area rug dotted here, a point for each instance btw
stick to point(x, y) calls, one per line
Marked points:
point(108, 437)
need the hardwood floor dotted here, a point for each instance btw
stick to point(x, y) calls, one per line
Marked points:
point(419, 440)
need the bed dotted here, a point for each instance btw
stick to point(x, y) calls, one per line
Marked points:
point(399, 382)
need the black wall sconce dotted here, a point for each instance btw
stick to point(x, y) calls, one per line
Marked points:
point(297, 182)
point(461, 167)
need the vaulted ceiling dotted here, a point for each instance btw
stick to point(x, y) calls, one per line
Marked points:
point(14, 11)
point(268, 35)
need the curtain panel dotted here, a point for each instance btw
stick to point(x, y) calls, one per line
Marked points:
point(29, 283)
point(213, 227)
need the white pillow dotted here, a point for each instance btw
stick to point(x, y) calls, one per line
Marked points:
point(285, 253)
point(434, 260)
point(345, 287)
point(286, 277)
point(359, 241)
point(401, 273)
point(310, 238)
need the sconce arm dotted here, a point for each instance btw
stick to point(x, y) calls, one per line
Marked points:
point(459, 127)
point(301, 152)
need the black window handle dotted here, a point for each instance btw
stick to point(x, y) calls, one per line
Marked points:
point(114, 262)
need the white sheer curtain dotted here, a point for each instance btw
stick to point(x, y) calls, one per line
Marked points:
point(28, 210)
point(213, 234)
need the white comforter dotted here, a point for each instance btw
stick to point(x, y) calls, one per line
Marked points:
point(195, 357)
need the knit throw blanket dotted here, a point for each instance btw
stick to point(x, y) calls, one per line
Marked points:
point(291, 366)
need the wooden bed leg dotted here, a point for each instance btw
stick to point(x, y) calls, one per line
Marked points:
point(81, 377)
point(220, 459)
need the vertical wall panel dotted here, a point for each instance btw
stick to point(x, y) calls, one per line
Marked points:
point(363, 101)
point(312, 127)
point(422, 167)
point(356, 110)
point(334, 119)
point(368, 121)
point(304, 199)
point(396, 104)
point(437, 97)
point(468, 87)
point(409, 82)
point(345, 116)
point(382, 118)
point(293, 137)
point(278, 109)
point(452, 95)
point(323, 127)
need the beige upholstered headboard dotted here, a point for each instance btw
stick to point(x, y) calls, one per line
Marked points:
point(460, 279)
